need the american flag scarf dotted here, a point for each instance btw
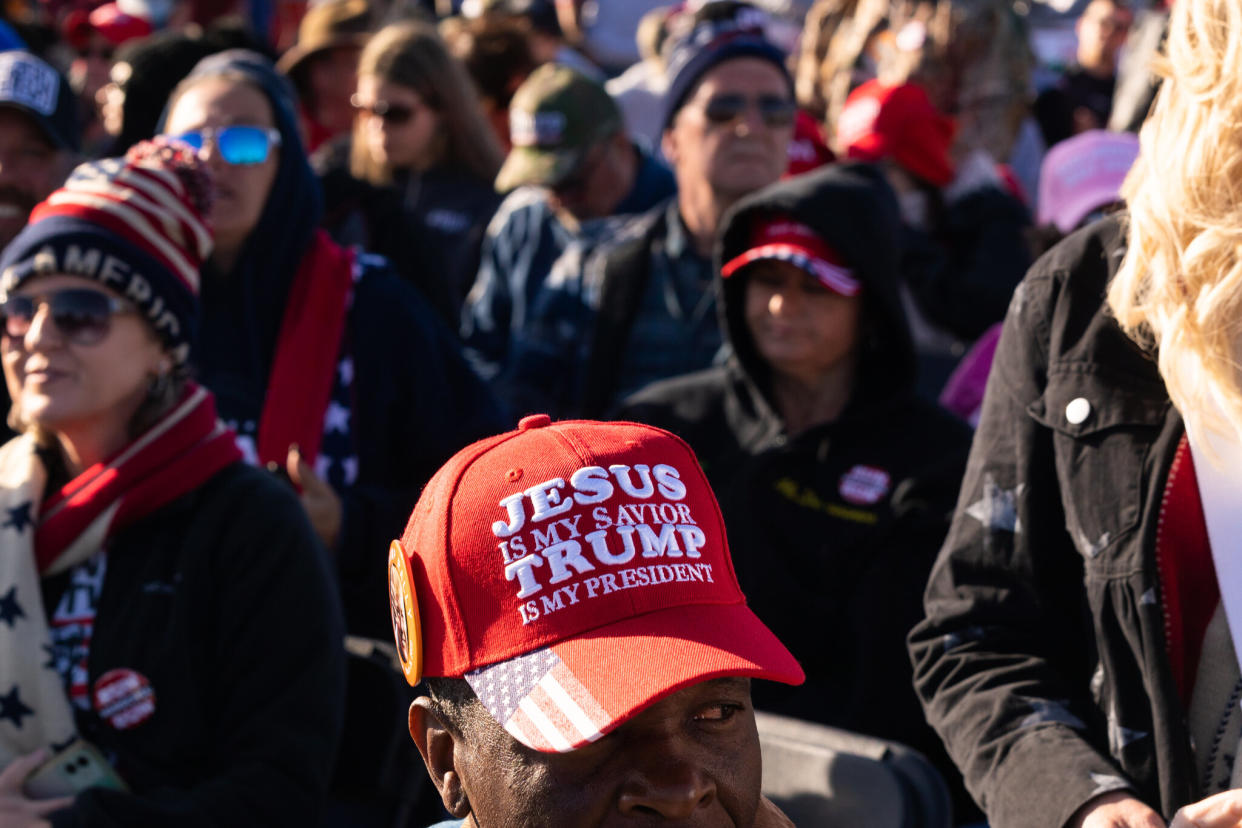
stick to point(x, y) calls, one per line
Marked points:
point(39, 539)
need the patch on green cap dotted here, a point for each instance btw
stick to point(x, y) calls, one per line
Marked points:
point(556, 116)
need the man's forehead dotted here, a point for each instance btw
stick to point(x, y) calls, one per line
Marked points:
point(741, 74)
point(18, 125)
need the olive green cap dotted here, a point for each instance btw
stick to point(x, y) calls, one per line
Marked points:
point(555, 117)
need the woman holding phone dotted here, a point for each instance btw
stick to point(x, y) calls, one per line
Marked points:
point(160, 600)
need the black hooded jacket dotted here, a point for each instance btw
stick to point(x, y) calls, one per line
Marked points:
point(833, 530)
point(413, 399)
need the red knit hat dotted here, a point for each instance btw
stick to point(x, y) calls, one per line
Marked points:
point(573, 573)
point(897, 122)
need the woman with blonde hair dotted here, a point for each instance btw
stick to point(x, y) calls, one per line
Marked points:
point(422, 160)
point(1077, 656)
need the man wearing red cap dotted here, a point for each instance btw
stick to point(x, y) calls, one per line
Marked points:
point(963, 228)
point(567, 593)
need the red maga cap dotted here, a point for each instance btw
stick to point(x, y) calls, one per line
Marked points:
point(116, 26)
point(573, 573)
point(898, 122)
point(791, 241)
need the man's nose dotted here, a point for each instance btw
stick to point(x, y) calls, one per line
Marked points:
point(672, 785)
point(778, 303)
point(751, 120)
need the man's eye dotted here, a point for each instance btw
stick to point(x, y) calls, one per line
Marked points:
point(718, 712)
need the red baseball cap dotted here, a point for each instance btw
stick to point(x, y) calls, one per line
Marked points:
point(573, 573)
point(117, 26)
point(807, 149)
point(897, 122)
point(787, 240)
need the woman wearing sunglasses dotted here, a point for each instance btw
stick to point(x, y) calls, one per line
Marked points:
point(329, 366)
point(422, 160)
point(168, 625)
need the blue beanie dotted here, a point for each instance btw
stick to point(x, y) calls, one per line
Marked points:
point(718, 32)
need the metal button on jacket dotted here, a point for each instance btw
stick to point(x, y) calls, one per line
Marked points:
point(1078, 411)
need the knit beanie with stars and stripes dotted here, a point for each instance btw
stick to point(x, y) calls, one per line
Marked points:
point(135, 224)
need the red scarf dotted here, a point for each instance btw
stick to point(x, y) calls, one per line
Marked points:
point(304, 369)
point(179, 453)
point(1187, 575)
point(176, 455)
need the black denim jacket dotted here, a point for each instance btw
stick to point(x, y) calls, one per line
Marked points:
point(1042, 661)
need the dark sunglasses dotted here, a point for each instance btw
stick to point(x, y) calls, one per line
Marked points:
point(236, 144)
point(774, 110)
point(82, 315)
point(391, 114)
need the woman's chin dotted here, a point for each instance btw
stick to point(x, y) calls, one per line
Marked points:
point(46, 412)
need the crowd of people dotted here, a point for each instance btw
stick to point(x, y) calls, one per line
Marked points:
point(880, 349)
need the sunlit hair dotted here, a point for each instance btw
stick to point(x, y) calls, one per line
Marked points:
point(413, 55)
point(1179, 288)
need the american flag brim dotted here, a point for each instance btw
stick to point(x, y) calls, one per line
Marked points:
point(565, 696)
point(838, 279)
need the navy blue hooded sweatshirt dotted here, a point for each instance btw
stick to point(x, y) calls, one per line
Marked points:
point(412, 400)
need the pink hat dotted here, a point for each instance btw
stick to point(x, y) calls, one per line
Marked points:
point(573, 573)
point(1082, 174)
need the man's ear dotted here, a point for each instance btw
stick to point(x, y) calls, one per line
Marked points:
point(437, 742)
point(668, 145)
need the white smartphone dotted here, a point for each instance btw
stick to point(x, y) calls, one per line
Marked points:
point(70, 771)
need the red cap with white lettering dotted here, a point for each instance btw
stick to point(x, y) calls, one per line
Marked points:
point(573, 573)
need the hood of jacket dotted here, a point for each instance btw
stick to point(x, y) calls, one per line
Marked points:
point(851, 207)
point(243, 310)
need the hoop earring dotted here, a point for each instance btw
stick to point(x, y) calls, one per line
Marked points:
point(159, 385)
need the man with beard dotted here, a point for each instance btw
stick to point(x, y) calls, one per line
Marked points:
point(39, 138)
point(643, 308)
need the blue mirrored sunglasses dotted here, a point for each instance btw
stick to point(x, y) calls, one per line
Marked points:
point(236, 144)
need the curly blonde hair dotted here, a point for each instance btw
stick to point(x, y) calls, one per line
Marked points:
point(1179, 288)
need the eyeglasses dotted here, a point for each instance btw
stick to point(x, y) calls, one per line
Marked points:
point(82, 315)
point(774, 110)
point(390, 113)
point(236, 144)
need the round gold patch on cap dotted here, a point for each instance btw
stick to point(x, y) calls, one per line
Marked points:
point(406, 629)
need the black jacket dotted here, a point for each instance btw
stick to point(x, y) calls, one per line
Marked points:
point(223, 600)
point(961, 277)
point(1042, 660)
point(413, 402)
point(430, 226)
point(833, 531)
